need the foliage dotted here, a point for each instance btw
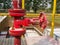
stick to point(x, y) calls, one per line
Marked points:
point(27, 5)
point(35, 6)
point(58, 6)
point(6, 4)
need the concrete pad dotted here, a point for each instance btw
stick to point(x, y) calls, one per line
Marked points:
point(47, 31)
point(31, 33)
point(32, 38)
point(42, 40)
point(55, 29)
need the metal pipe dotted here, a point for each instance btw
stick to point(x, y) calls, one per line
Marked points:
point(23, 2)
point(53, 16)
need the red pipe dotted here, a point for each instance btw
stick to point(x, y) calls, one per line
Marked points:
point(15, 4)
point(20, 4)
point(17, 40)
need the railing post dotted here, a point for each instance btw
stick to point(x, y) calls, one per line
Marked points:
point(53, 16)
point(23, 2)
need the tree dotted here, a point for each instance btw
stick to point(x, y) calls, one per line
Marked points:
point(6, 3)
point(58, 6)
point(35, 5)
point(27, 5)
point(1, 1)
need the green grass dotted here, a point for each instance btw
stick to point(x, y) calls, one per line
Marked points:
point(56, 20)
